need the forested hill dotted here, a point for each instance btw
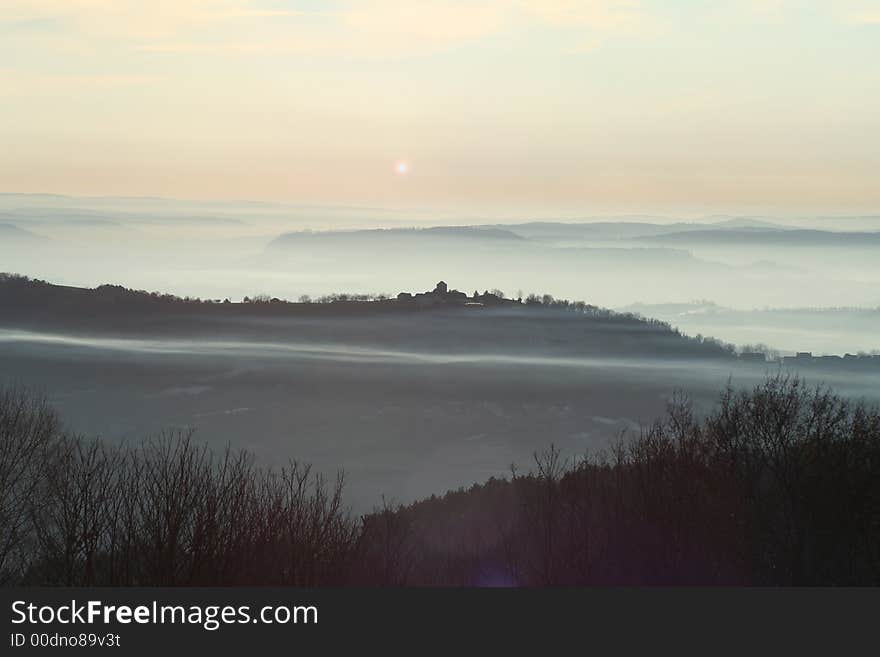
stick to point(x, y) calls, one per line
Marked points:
point(537, 325)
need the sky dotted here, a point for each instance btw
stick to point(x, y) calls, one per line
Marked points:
point(586, 106)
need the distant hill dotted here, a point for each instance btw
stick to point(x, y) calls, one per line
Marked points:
point(749, 237)
point(597, 231)
point(461, 233)
point(826, 331)
point(539, 326)
point(85, 217)
point(10, 234)
point(747, 222)
point(621, 230)
point(468, 250)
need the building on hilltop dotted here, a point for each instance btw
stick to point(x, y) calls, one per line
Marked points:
point(487, 298)
point(440, 295)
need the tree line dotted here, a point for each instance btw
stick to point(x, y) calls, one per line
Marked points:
point(777, 485)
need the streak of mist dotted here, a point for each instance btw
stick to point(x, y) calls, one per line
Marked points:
point(404, 424)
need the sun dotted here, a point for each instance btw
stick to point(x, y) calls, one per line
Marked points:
point(401, 168)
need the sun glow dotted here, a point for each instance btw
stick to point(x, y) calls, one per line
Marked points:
point(401, 168)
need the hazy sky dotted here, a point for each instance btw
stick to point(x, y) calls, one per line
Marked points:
point(577, 105)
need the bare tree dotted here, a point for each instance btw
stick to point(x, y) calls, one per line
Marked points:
point(28, 431)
